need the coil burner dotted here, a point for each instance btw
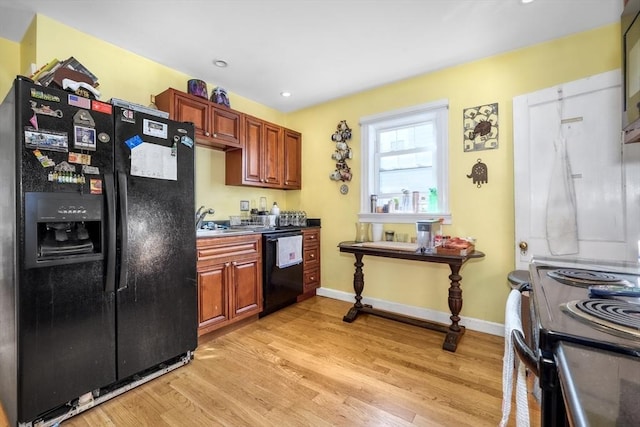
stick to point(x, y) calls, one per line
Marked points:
point(585, 278)
point(613, 316)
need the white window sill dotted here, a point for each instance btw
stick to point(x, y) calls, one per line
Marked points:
point(401, 218)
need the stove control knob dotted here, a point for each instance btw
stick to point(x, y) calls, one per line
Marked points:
point(523, 246)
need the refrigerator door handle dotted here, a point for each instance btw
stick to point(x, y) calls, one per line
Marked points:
point(110, 194)
point(124, 244)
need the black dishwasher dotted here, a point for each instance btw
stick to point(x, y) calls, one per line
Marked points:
point(281, 286)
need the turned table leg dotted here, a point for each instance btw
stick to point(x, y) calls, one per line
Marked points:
point(455, 305)
point(358, 286)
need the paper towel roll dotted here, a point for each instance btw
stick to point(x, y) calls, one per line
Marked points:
point(376, 232)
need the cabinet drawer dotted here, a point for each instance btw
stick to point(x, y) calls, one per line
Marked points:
point(311, 256)
point(218, 249)
point(311, 278)
point(311, 238)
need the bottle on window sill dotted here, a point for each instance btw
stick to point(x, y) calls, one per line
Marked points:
point(422, 208)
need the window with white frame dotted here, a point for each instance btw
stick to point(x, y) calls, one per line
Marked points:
point(405, 164)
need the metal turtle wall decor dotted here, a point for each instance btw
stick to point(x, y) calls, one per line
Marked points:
point(479, 173)
point(481, 127)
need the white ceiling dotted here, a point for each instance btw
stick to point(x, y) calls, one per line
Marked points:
point(317, 49)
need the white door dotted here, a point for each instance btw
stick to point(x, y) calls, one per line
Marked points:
point(593, 189)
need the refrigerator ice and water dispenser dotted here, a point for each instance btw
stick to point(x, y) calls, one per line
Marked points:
point(62, 228)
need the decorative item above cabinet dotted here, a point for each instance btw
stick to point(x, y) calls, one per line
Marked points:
point(217, 126)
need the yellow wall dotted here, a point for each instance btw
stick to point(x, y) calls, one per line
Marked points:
point(486, 213)
point(10, 66)
point(125, 75)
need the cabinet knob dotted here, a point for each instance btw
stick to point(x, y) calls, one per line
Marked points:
point(207, 134)
point(312, 255)
point(227, 264)
point(215, 135)
point(312, 278)
point(234, 263)
point(286, 183)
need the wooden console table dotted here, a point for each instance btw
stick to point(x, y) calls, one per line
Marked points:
point(454, 331)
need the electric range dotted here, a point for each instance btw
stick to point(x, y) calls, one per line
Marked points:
point(564, 312)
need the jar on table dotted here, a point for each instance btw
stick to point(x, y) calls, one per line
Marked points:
point(362, 232)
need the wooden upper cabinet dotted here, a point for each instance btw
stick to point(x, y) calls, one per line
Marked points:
point(292, 165)
point(216, 126)
point(249, 170)
point(259, 163)
point(258, 153)
point(272, 154)
point(187, 109)
point(226, 126)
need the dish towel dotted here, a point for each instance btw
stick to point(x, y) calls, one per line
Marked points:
point(562, 223)
point(288, 251)
point(513, 322)
point(562, 213)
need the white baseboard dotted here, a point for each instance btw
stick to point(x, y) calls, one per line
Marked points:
point(417, 312)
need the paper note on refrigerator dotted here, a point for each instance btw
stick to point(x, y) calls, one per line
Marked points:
point(154, 161)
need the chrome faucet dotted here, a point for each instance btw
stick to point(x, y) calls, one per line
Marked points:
point(198, 211)
point(200, 215)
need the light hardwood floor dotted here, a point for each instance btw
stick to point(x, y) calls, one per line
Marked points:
point(304, 366)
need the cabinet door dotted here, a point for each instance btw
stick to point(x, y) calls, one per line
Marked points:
point(190, 110)
point(246, 297)
point(292, 165)
point(272, 154)
point(251, 152)
point(226, 126)
point(213, 295)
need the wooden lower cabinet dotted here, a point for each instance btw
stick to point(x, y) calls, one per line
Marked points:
point(311, 262)
point(229, 280)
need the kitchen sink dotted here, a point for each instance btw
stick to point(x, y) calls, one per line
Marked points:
point(220, 232)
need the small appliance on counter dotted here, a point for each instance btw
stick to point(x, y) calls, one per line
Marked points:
point(425, 234)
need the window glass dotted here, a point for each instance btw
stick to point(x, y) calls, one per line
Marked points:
point(404, 160)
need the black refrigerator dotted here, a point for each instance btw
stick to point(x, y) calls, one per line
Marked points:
point(98, 262)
